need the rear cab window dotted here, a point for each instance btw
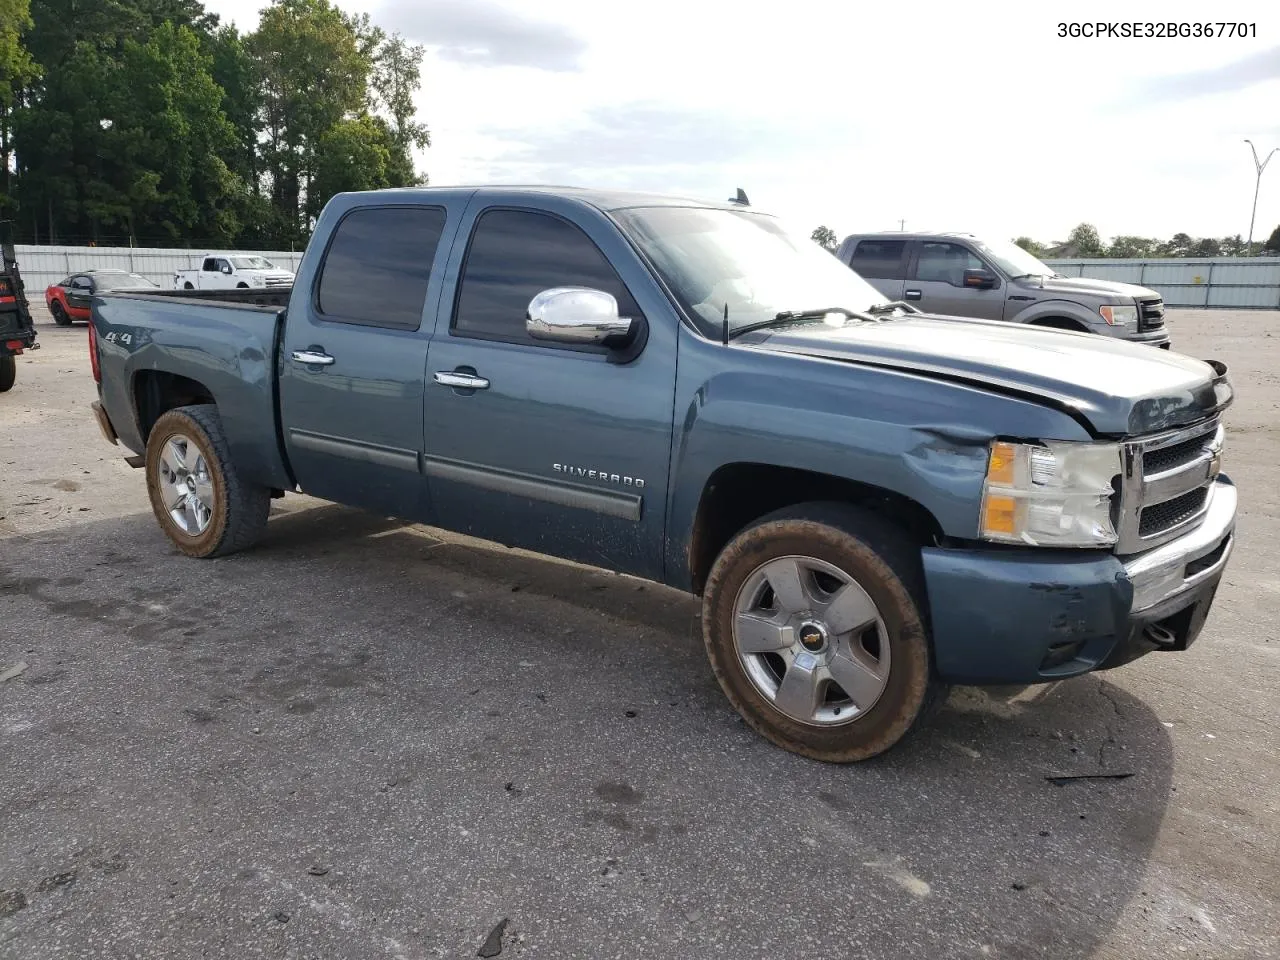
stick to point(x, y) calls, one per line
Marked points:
point(376, 269)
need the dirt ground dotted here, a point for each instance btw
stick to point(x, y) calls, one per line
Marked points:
point(369, 740)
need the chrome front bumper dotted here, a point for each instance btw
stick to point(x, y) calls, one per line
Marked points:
point(1162, 576)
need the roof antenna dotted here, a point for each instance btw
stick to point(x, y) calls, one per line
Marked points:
point(724, 332)
point(741, 198)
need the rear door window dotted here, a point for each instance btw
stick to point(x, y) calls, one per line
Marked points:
point(376, 269)
point(880, 259)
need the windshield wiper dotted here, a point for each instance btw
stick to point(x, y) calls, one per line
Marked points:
point(794, 316)
point(891, 306)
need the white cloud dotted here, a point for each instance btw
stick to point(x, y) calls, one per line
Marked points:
point(855, 115)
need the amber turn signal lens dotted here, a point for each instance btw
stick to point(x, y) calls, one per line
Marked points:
point(1000, 467)
point(998, 514)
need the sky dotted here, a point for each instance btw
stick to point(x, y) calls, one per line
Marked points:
point(975, 117)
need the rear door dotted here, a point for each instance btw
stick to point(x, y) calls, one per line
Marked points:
point(882, 263)
point(355, 355)
point(555, 449)
point(936, 283)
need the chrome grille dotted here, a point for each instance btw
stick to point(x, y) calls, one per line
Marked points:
point(1166, 458)
point(1162, 516)
point(278, 282)
point(1150, 314)
point(1166, 485)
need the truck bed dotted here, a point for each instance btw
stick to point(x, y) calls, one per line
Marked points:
point(206, 346)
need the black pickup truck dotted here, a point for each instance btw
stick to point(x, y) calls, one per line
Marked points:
point(17, 332)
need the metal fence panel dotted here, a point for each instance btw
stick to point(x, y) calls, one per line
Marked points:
point(42, 265)
point(1226, 282)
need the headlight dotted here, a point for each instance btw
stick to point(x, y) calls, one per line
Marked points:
point(259, 281)
point(1051, 494)
point(1119, 316)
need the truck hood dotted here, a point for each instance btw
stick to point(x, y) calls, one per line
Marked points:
point(1105, 290)
point(1116, 388)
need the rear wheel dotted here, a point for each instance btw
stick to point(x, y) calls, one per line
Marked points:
point(201, 503)
point(8, 372)
point(59, 314)
point(813, 623)
point(188, 285)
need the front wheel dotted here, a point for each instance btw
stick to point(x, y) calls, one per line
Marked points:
point(60, 316)
point(812, 620)
point(8, 372)
point(202, 504)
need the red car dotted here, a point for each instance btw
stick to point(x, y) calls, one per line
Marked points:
point(69, 299)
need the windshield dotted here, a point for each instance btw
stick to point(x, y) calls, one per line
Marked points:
point(121, 281)
point(1013, 260)
point(253, 263)
point(749, 261)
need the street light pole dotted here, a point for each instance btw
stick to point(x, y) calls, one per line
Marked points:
point(1256, 187)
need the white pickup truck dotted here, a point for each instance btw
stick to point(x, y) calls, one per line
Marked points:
point(231, 271)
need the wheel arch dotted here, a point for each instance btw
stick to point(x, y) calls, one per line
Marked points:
point(1057, 322)
point(156, 392)
point(738, 494)
point(1058, 315)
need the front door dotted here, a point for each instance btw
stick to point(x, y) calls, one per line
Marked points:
point(936, 282)
point(80, 293)
point(542, 446)
point(355, 356)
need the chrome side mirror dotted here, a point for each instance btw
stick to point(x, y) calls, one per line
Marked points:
point(578, 315)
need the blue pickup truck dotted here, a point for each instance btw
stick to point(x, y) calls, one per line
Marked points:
point(872, 503)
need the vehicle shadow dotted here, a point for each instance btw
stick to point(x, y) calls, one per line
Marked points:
point(568, 719)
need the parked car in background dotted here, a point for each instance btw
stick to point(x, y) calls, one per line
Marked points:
point(959, 274)
point(232, 271)
point(69, 298)
point(871, 502)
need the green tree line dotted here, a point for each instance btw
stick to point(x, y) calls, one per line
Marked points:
point(1085, 242)
point(153, 123)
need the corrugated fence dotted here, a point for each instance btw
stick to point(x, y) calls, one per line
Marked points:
point(1223, 282)
point(41, 266)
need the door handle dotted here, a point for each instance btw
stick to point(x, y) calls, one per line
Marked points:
point(913, 295)
point(312, 358)
point(463, 381)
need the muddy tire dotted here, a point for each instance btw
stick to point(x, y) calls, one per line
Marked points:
point(200, 501)
point(814, 621)
point(8, 372)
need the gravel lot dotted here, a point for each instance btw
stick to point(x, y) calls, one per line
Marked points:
point(368, 740)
